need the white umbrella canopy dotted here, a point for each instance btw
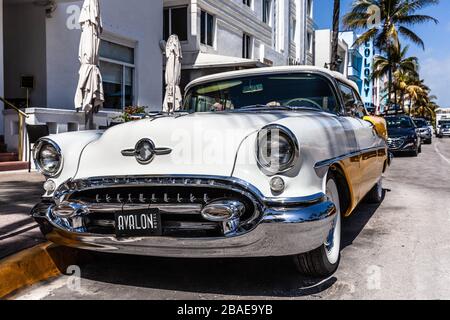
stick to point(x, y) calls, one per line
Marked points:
point(173, 99)
point(89, 96)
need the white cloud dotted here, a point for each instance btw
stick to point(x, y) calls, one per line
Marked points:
point(436, 73)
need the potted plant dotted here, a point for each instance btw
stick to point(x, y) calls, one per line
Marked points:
point(131, 113)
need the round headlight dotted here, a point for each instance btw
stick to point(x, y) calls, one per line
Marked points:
point(48, 158)
point(277, 149)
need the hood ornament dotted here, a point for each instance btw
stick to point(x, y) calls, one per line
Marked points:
point(145, 151)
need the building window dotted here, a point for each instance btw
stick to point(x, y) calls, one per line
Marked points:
point(207, 29)
point(246, 46)
point(310, 43)
point(247, 3)
point(266, 10)
point(117, 68)
point(176, 22)
point(293, 29)
point(310, 8)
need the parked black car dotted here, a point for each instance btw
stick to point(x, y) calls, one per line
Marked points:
point(424, 130)
point(403, 137)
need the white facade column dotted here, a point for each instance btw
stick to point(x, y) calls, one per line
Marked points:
point(281, 14)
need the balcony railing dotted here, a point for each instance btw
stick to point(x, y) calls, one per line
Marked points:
point(22, 116)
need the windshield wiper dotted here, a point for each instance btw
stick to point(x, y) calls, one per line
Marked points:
point(266, 107)
point(304, 107)
point(263, 107)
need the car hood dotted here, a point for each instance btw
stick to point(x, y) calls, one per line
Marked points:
point(201, 144)
point(400, 132)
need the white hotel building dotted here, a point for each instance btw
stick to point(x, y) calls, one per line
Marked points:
point(219, 35)
point(40, 38)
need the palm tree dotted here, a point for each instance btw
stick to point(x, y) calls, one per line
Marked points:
point(396, 17)
point(399, 64)
point(425, 104)
point(335, 42)
point(409, 87)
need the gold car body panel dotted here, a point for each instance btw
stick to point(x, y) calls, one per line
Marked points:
point(362, 172)
point(379, 125)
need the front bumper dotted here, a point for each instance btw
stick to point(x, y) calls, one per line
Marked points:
point(426, 136)
point(282, 231)
point(403, 145)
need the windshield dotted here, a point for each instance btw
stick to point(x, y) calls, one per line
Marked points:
point(399, 122)
point(266, 91)
point(421, 123)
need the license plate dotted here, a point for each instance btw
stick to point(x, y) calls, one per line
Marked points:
point(138, 223)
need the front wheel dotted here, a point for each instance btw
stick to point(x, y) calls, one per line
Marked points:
point(375, 196)
point(324, 261)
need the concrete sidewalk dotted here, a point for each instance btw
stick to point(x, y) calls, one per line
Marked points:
point(19, 192)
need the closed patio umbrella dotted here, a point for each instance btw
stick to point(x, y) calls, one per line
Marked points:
point(172, 100)
point(89, 96)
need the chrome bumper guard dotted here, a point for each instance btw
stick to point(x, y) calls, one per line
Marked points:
point(285, 227)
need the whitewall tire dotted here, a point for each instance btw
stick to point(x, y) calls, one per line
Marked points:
point(324, 261)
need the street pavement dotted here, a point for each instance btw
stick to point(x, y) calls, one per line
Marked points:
point(397, 250)
point(19, 192)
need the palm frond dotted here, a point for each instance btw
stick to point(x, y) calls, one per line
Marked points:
point(411, 35)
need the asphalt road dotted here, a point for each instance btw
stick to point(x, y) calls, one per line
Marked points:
point(399, 250)
point(19, 192)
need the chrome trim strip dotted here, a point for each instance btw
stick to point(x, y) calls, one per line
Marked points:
point(190, 226)
point(229, 183)
point(176, 208)
point(322, 166)
point(239, 149)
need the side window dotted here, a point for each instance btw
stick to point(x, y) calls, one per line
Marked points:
point(349, 98)
point(360, 110)
point(352, 104)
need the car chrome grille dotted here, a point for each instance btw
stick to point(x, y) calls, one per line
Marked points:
point(180, 203)
point(395, 143)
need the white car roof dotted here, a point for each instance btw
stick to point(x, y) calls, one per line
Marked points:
point(271, 70)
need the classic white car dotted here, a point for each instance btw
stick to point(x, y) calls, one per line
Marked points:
point(261, 162)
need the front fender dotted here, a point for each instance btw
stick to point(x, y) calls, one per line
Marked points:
point(301, 181)
point(72, 145)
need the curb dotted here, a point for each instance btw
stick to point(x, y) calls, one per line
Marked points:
point(33, 265)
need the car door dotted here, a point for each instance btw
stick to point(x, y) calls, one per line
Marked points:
point(351, 127)
point(366, 140)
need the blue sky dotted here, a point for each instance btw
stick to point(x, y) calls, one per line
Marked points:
point(434, 61)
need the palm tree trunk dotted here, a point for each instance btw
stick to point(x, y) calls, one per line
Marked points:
point(402, 99)
point(388, 47)
point(335, 43)
point(396, 98)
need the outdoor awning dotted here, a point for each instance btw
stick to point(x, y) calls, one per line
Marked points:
point(208, 60)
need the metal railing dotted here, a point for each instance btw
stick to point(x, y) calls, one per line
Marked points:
point(22, 116)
